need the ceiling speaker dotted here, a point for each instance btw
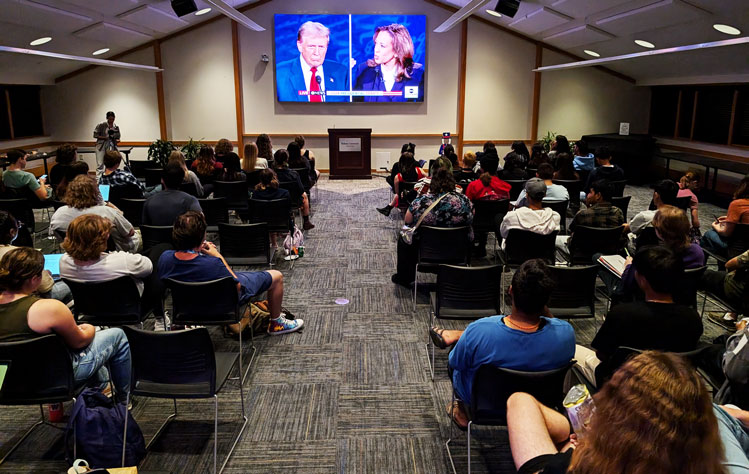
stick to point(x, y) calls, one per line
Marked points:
point(184, 7)
point(507, 7)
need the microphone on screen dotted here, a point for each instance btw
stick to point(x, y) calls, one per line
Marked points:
point(319, 82)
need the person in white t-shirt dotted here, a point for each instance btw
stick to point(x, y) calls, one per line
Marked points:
point(533, 217)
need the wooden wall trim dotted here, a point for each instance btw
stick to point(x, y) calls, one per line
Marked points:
point(10, 115)
point(698, 151)
point(678, 115)
point(462, 86)
point(160, 89)
point(238, 100)
point(495, 141)
point(536, 92)
point(694, 114)
point(733, 116)
point(253, 136)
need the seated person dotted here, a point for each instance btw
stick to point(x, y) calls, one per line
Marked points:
point(284, 174)
point(583, 160)
point(513, 168)
point(689, 184)
point(70, 172)
point(207, 168)
point(465, 172)
point(452, 210)
point(190, 176)
point(83, 197)
point(409, 173)
point(114, 176)
point(20, 181)
point(232, 168)
point(730, 286)
point(268, 190)
point(66, 155)
point(533, 217)
point(24, 316)
point(406, 148)
point(251, 162)
point(554, 192)
point(310, 156)
point(422, 186)
point(523, 340)
point(488, 186)
point(654, 324)
point(564, 169)
point(664, 194)
point(299, 161)
point(162, 208)
point(604, 170)
point(630, 431)
point(538, 156)
point(716, 239)
point(223, 147)
point(598, 213)
point(196, 260)
point(48, 288)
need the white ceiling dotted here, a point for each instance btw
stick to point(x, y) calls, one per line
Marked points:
point(609, 27)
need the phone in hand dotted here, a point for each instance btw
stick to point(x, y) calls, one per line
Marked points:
point(44, 176)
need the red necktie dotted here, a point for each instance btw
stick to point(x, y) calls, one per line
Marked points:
point(314, 87)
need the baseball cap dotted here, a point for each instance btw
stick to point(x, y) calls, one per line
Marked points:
point(535, 188)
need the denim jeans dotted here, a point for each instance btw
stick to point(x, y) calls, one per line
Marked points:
point(109, 347)
point(713, 242)
point(735, 442)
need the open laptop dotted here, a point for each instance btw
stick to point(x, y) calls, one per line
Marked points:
point(104, 190)
point(52, 263)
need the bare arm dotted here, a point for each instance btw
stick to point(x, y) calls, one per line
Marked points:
point(209, 248)
point(695, 218)
point(732, 264)
point(49, 315)
point(534, 429)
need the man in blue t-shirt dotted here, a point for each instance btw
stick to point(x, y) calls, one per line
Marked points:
point(523, 340)
point(196, 260)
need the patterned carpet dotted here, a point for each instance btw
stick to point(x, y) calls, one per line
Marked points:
point(351, 393)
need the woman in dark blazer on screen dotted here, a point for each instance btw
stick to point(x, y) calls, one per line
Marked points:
point(392, 69)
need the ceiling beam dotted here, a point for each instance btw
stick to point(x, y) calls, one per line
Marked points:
point(459, 16)
point(83, 59)
point(235, 15)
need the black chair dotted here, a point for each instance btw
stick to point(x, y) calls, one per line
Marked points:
point(560, 207)
point(245, 244)
point(440, 245)
point(293, 189)
point(492, 386)
point(22, 211)
point(304, 177)
point(124, 191)
point(406, 194)
point(573, 186)
point(210, 303)
point(215, 211)
point(38, 371)
point(464, 293)
point(646, 237)
point(686, 292)
point(524, 245)
point(622, 203)
point(683, 203)
point(588, 241)
point(485, 216)
point(132, 210)
point(253, 178)
point(517, 185)
point(153, 176)
point(155, 234)
point(275, 213)
point(181, 364)
point(189, 188)
point(107, 303)
point(235, 193)
point(574, 294)
point(138, 167)
point(618, 187)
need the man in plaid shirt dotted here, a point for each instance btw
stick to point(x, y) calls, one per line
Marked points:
point(599, 213)
point(114, 176)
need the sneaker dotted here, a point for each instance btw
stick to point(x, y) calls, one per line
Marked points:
point(160, 324)
point(284, 326)
point(385, 211)
point(308, 225)
point(723, 319)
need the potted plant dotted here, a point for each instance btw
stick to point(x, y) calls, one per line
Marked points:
point(159, 152)
point(191, 149)
point(547, 139)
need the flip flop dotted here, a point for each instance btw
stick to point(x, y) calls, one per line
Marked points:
point(436, 335)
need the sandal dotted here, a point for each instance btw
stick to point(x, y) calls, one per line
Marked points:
point(435, 334)
point(451, 413)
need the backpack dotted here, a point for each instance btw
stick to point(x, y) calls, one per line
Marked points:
point(98, 423)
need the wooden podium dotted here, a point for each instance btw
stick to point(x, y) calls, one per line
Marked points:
point(350, 153)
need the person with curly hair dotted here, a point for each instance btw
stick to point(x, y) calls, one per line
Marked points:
point(223, 147)
point(207, 168)
point(265, 148)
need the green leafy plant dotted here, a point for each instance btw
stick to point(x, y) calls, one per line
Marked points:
point(547, 139)
point(191, 148)
point(159, 151)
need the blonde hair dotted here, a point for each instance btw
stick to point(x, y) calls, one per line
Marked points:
point(178, 157)
point(469, 159)
point(250, 157)
point(403, 47)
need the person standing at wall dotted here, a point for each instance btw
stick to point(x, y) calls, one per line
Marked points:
point(107, 136)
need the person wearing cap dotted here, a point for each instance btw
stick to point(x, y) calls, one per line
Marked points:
point(664, 193)
point(534, 217)
point(554, 192)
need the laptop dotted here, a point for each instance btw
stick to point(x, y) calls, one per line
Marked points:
point(52, 263)
point(104, 190)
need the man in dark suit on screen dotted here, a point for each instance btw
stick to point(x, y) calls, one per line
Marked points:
point(308, 78)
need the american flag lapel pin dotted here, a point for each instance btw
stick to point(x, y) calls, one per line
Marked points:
point(332, 80)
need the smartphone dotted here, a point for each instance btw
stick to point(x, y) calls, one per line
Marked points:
point(44, 176)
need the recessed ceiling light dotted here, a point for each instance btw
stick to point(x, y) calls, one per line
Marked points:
point(592, 53)
point(727, 29)
point(493, 13)
point(645, 44)
point(39, 41)
point(202, 12)
point(100, 51)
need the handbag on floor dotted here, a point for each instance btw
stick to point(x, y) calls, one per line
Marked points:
point(98, 423)
point(294, 239)
point(407, 233)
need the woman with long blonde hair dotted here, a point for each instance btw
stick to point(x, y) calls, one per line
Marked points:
point(251, 161)
point(190, 177)
point(653, 417)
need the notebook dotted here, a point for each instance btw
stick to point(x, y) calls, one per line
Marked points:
point(104, 190)
point(614, 263)
point(52, 263)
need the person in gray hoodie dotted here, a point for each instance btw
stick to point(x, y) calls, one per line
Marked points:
point(533, 217)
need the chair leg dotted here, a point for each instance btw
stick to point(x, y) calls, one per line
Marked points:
point(124, 430)
point(449, 439)
point(236, 441)
point(430, 344)
point(28, 432)
point(163, 425)
point(468, 437)
point(416, 284)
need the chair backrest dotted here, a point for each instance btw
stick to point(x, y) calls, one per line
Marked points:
point(215, 210)
point(107, 303)
point(132, 209)
point(560, 207)
point(124, 191)
point(573, 186)
point(618, 187)
point(683, 202)
point(253, 178)
point(235, 193)
point(738, 243)
point(207, 303)
point(622, 202)
point(275, 213)
point(485, 212)
point(245, 244)
point(443, 245)
point(153, 176)
point(291, 187)
point(406, 193)
point(522, 245)
point(189, 188)
point(574, 294)
point(155, 234)
point(492, 386)
point(468, 292)
point(20, 208)
point(303, 176)
point(163, 358)
point(647, 236)
point(587, 241)
point(37, 371)
point(517, 185)
point(686, 291)
point(138, 167)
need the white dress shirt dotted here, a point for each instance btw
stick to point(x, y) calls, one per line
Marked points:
point(306, 70)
